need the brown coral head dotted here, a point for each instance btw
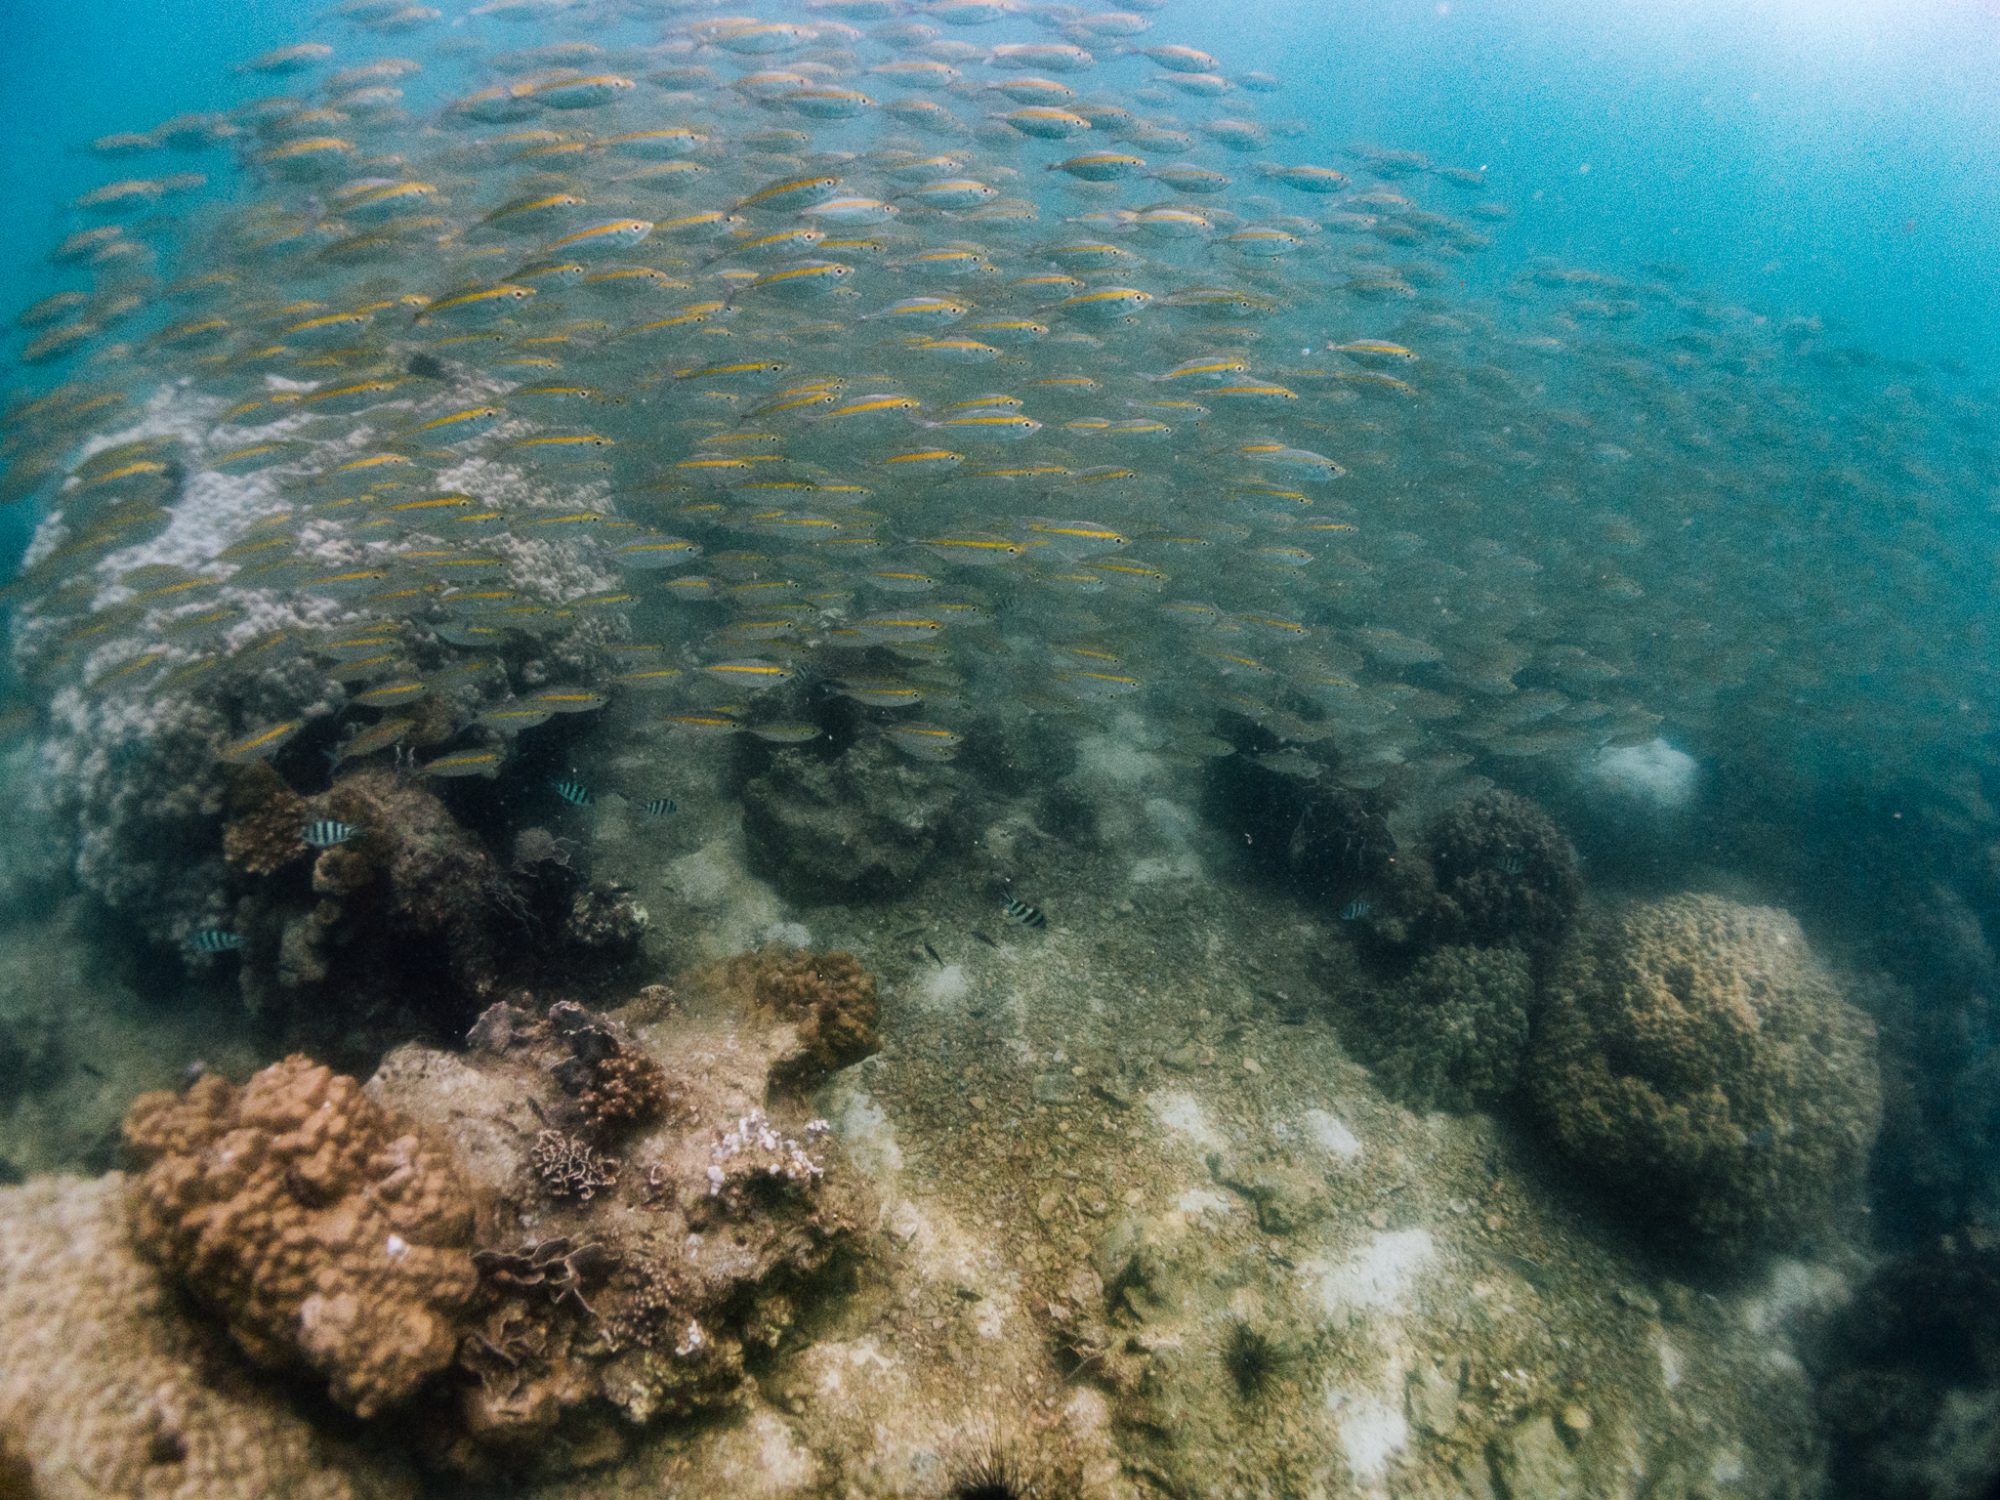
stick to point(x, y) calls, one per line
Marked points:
point(616, 1086)
point(830, 997)
point(326, 1234)
point(265, 821)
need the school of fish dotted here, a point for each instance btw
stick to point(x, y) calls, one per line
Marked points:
point(947, 358)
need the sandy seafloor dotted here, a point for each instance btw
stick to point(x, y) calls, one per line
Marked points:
point(1143, 1224)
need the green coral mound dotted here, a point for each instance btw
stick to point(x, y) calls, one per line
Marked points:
point(1695, 1058)
point(1505, 873)
point(1452, 1032)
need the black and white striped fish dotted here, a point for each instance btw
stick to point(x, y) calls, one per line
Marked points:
point(659, 807)
point(214, 940)
point(325, 833)
point(573, 792)
point(1021, 912)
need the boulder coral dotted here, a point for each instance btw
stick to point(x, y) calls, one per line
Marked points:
point(327, 1234)
point(827, 998)
point(1695, 1058)
point(1452, 1032)
point(1504, 873)
point(109, 1392)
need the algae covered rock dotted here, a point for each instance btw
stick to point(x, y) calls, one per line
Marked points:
point(662, 1213)
point(1452, 1032)
point(866, 823)
point(1697, 1060)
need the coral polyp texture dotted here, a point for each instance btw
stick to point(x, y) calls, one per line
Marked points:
point(329, 1236)
point(109, 1392)
point(827, 998)
point(1451, 1033)
point(1504, 873)
point(1696, 1058)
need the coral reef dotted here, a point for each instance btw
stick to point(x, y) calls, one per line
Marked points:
point(605, 922)
point(129, 769)
point(403, 929)
point(108, 1391)
point(864, 824)
point(1504, 873)
point(615, 1085)
point(1911, 1400)
point(323, 1230)
point(1698, 1060)
point(828, 998)
point(633, 1274)
point(264, 819)
point(1453, 1031)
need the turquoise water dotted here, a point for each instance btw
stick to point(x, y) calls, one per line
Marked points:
point(1453, 542)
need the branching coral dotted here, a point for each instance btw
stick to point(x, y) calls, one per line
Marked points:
point(1695, 1057)
point(568, 1170)
point(324, 1231)
point(616, 1086)
point(754, 1161)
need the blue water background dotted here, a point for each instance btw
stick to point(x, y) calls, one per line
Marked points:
point(1829, 157)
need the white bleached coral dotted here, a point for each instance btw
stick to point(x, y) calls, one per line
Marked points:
point(753, 1148)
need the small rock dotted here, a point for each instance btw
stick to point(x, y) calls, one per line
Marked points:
point(1638, 1301)
point(1432, 1399)
point(1054, 1088)
point(1252, 1066)
point(1113, 1091)
point(1678, 1302)
point(1183, 1059)
point(1531, 1463)
point(1574, 1419)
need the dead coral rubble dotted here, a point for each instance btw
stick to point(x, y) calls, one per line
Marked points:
point(1696, 1058)
point(328, 1235)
